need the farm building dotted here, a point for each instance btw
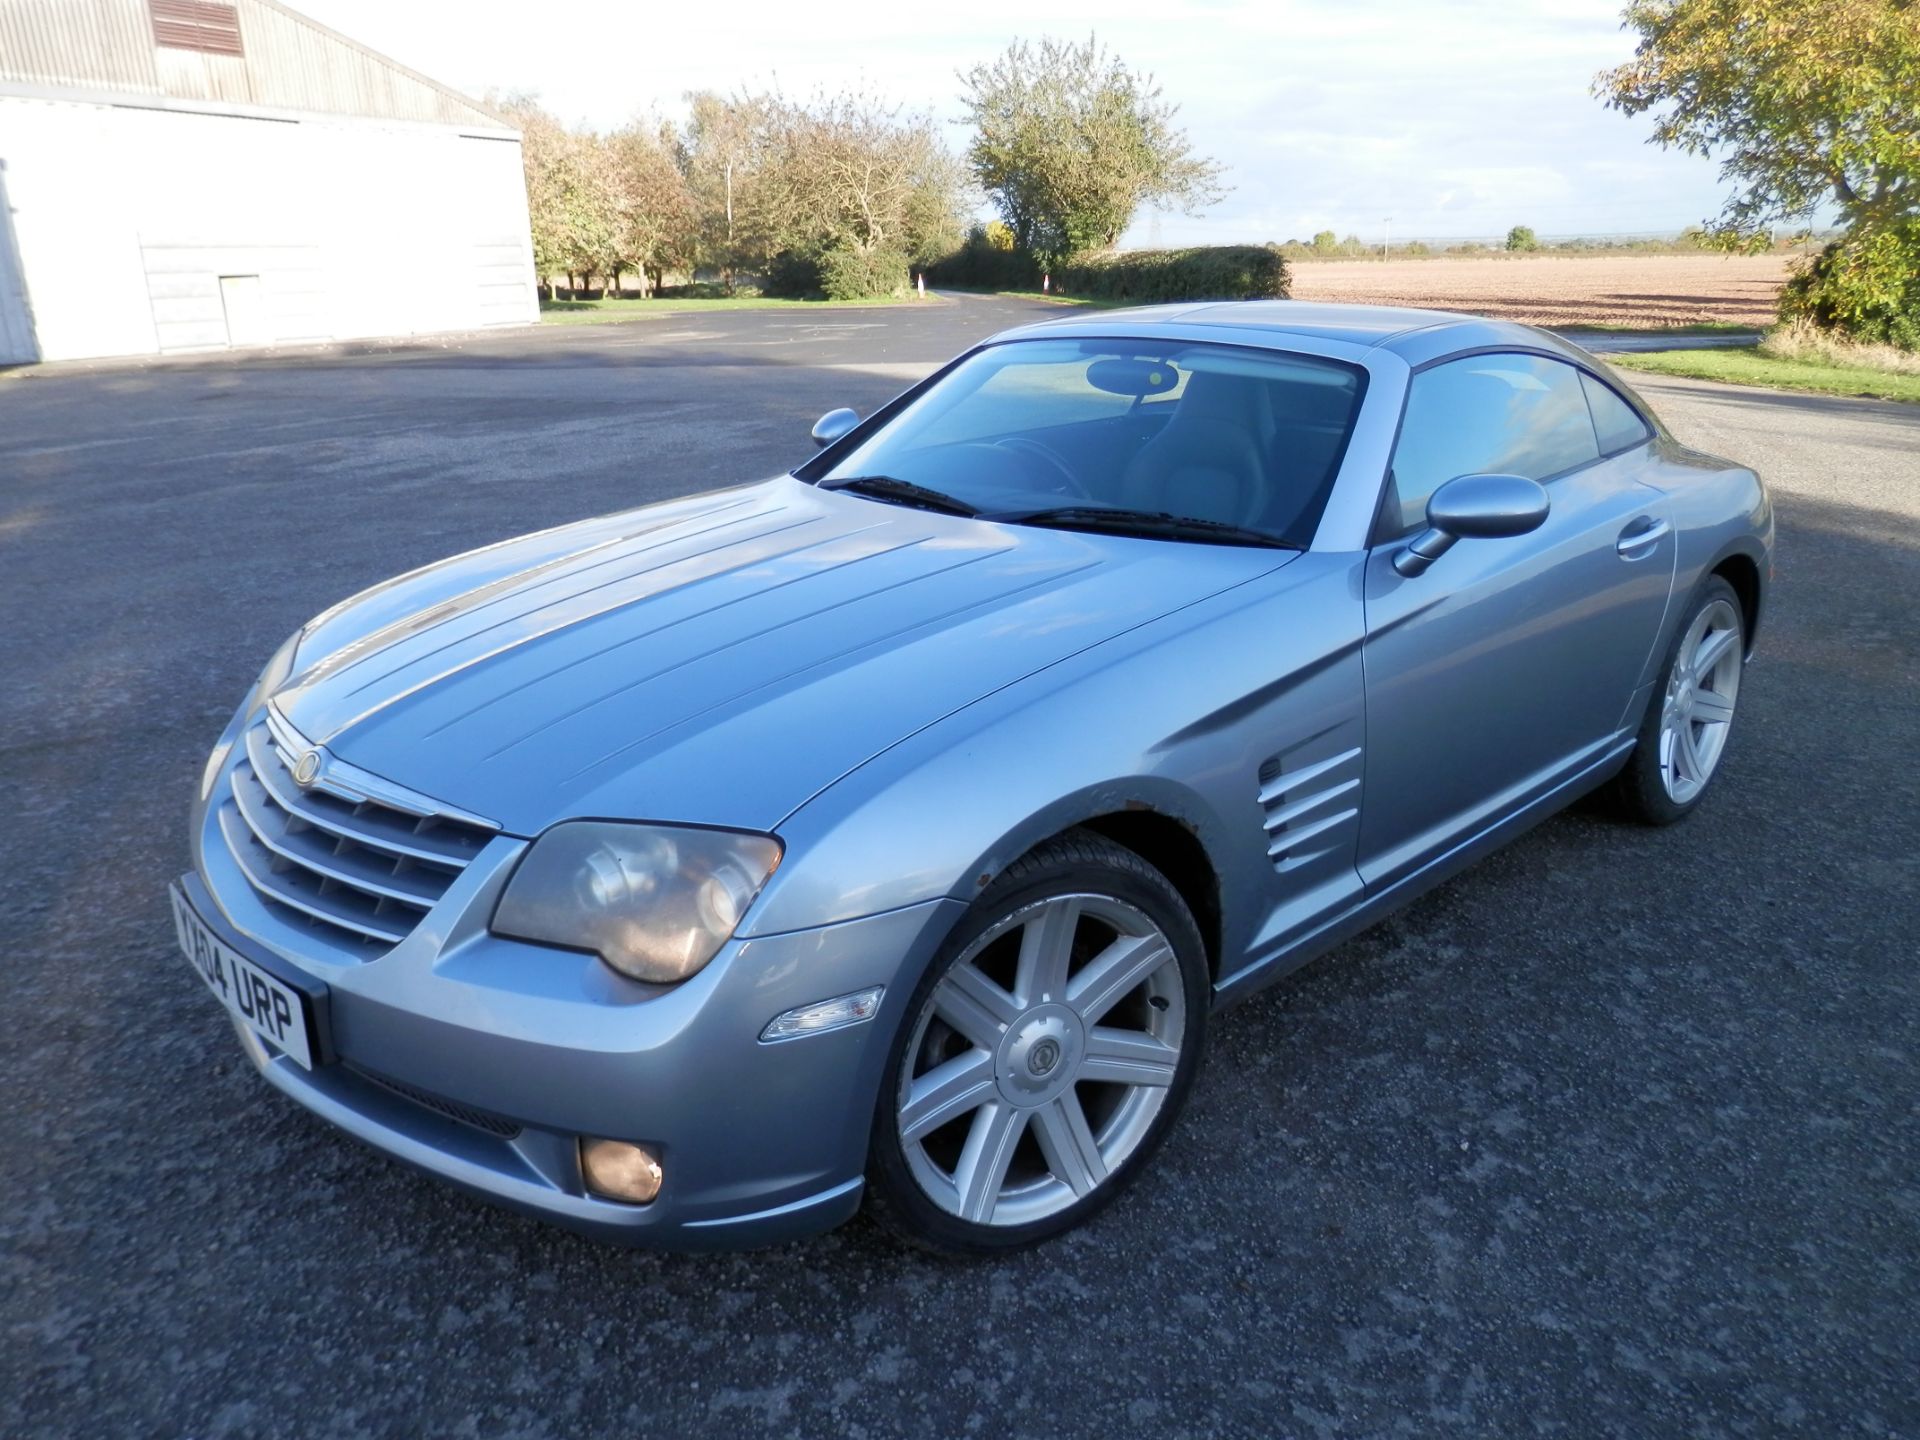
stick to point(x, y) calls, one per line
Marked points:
point(184, 175)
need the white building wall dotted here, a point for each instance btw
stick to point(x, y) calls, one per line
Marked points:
point(137, 229)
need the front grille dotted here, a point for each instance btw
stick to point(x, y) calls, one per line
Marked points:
point(494, 1125)
point(358, 869)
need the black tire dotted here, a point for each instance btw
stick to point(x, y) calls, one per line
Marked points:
point(1078, 862)
point(1639, 792)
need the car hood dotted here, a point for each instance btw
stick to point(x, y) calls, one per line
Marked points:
point(717, 660)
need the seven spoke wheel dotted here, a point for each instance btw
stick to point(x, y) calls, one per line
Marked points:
point(1698, 711)
point(1041, 1059)
point(1683, 734)
point(1046, 1053)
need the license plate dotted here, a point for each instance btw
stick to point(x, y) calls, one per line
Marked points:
point(271, 1010)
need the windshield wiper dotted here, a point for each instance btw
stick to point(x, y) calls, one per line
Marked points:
point(905, 492)
point(1142, 522)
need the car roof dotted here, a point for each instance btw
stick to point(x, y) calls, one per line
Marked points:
point(1417, 335)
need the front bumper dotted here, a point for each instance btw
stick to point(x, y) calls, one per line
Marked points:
point(483, 1060)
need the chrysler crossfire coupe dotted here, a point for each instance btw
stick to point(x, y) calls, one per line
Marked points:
point(889, 833)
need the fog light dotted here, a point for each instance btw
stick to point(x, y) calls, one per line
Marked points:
point(834, 1014)
point(620, 1170)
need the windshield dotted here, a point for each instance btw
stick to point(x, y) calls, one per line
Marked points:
point(1238, 439)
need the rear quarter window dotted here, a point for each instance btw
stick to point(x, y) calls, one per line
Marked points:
point(1617, 424)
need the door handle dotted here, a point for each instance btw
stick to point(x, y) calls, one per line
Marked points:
point(1638, 539)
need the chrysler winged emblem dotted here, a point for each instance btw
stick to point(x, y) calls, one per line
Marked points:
point(307, 768)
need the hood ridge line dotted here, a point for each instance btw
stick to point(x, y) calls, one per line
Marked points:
point(1045, 580)
point(689, 619)
point(651, 676)
point(589, 590)
point(503, 588)
point(411, 690)
point(393, 581)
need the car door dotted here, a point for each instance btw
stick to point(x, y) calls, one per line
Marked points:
point(1509, 666)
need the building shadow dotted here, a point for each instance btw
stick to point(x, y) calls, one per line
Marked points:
point(18, 343)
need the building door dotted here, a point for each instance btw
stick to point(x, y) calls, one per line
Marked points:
point(246, 310)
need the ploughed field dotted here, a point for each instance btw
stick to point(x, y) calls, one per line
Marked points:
point(1641, 291)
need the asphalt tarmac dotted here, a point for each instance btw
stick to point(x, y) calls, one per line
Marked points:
point(1617, 1134)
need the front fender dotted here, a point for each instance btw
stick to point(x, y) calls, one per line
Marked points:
point(939, 833)
point(1176, 717)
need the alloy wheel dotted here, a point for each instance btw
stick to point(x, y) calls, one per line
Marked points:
point(1698, 712)
point(1040, 1060)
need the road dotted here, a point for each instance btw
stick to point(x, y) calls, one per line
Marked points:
point(1603, 342)
point(1616, 1134)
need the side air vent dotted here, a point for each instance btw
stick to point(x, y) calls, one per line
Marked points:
point(1310, 806)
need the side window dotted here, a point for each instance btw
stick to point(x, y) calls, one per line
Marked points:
point(1487, 414)
point(1617, 423)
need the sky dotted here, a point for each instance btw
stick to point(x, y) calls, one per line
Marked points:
point(1415, 119)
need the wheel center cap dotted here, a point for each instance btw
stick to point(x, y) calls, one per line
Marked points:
point(1039, 1056)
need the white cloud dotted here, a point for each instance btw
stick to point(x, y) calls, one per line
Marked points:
point(1455, 117)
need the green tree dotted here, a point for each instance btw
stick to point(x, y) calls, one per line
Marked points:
point(656, 222)
point(1521, 237)
point(1325, 242)
point(1069, 144)
point(1808, 102)
point(784, 185)
point(718, 156)
point(570, 202)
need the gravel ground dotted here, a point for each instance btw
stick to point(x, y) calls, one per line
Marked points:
point(1616, 1134)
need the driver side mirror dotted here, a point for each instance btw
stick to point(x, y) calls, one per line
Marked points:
point(1479, 507)
point(833, 425)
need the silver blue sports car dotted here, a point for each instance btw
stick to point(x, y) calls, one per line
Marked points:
point(891, 831)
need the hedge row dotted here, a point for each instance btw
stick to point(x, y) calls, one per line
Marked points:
point(1207, 272)
point(863, 274)
point(838, 274)
point(1863, 286)
point(981, 265)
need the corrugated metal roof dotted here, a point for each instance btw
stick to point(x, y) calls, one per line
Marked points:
point(288, 62)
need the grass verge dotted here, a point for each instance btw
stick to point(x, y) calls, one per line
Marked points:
point(1745, 365)
point(1649, 327)
point(1055, 298)
point(613, 312)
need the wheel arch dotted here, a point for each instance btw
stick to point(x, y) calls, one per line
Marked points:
point(1742, 572)
point(1163, 823)
point(1175, 850)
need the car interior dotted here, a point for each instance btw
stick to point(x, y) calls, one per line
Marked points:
point(1253, 442)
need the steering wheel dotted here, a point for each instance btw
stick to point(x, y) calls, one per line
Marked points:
point(1033, 451)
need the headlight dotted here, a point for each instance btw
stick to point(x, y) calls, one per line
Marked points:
point(655, 902)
